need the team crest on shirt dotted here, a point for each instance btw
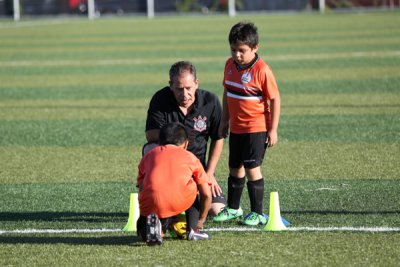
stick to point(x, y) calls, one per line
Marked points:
point(200, 123)
point(246, 77)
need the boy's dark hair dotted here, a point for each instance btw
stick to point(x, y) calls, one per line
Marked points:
point(173, 133)
point(244, 33)
point(180, 67)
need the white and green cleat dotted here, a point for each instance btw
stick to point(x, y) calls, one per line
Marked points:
point(228, 214)
point(253, 219)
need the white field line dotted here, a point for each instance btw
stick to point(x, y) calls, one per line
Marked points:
point(214, 229)
point(116, 62)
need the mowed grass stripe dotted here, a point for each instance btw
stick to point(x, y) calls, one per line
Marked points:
point(73, 109)
point(101, 79)
point(138, 40)
point(127, 29)
point(322, 160)
point(116, 131)
point(306, 203)
point(141, 90)
point(123, 249)
point(342, 128)
point(377, 58)
point(123, 34)
point(114, 92)
point(292, 104)
point(45, 164)
point(193, 44)
point(120, 131)
point(343, 86)
point(184, 51)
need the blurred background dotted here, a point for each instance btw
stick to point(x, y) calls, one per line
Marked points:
point(140, 7)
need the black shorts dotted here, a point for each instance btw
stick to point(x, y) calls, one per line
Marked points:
point(247, 149)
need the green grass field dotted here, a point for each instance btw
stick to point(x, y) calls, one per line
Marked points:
point(73, 100)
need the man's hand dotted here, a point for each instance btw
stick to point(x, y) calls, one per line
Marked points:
point(216, 190)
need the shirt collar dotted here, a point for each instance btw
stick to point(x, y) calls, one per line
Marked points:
point(248, 66)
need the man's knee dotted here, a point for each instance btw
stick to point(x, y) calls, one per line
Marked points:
point(216, 208)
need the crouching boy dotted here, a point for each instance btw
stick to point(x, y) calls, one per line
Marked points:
point(171, 180)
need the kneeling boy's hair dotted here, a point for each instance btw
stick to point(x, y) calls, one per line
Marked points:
point(173, 133)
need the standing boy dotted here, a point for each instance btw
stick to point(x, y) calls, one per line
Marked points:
point(251, 109)
point(169, 179)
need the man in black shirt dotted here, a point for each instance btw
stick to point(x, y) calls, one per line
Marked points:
point(199, 111)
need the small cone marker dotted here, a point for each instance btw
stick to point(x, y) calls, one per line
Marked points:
point(133, 214)
point(275, 221)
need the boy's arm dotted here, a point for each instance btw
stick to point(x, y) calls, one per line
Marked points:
point(205, 203)
point(224, 125)
point(275, 105)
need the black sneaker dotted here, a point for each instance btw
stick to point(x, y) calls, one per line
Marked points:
point(153, 230)
point(197, 235)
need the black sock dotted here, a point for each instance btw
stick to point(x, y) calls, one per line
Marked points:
point(192, 215)
point(256, 195)
point(235, 189)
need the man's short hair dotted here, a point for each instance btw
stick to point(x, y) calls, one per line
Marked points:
point(244, 33)
point(173, 133)
point(180, 67)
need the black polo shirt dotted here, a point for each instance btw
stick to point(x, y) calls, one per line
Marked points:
point(201, 122)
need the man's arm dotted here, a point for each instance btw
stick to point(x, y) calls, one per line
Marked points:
point(214, 154)
point(152, 135)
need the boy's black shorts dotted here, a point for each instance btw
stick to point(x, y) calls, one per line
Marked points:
point(247, 149)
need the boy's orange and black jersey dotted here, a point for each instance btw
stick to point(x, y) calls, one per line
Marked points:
point(168, 177)
point(247, 93)
point(202, 121)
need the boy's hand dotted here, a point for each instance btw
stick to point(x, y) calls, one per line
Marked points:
point(200, 224)
point(272, 138)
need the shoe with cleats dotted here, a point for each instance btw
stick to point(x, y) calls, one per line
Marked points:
point(253, 218)
point(227, 214)
point(197, 235)
point(153, 230)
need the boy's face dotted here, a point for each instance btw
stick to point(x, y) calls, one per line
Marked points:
point(184, 89)
point(243, 54)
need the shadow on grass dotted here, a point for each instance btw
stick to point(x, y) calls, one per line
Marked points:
point(63, 216)
point(99, 241)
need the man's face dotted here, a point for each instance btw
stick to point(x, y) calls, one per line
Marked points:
point(184, 88)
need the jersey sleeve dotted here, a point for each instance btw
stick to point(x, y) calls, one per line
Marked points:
point(271, 85)
point(215, 120)
point(155, 117)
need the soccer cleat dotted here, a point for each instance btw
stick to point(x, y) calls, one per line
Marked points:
point(227, 214)
point(196, 235)
point(253, 218)
point(153, 230)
